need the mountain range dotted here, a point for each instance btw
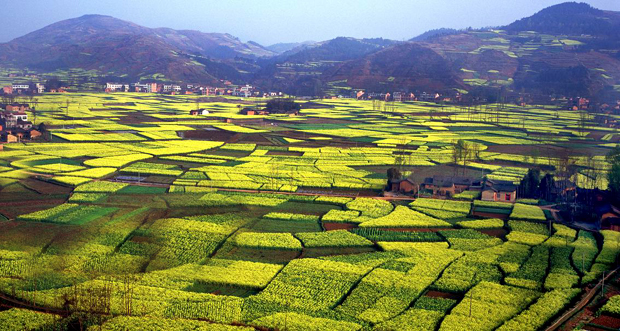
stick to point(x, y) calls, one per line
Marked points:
point(568, 49)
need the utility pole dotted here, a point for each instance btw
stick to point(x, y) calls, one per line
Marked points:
point(582, 264)
point(603, 285)
point(471, 294)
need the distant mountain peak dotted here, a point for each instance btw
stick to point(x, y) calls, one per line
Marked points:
point(91, 16)
point(572, 7)
point(430, 34)
point(570, 18)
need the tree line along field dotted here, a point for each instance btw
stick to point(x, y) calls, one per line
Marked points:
point(138, 215)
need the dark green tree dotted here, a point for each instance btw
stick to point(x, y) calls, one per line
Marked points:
point(529, 184)
point(53, 83)
point(281, 105)
point(392, 174)
point(547, 184)
point(613, 157)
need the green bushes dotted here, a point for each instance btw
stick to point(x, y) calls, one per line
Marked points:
point(179, 241)
point(371, 207)
point(463, 274)
point(533, 271)
point(87, 197)
point(561, 272)
point(596, 271)
point(441, 214)
point(341, 216)
point(339, 201)
point(468, 195)
point(339, 238)
point(403, 217)
point(611, 247)
point(527, 232)
point(49, 214)
point(537, 315)
point(447, 205)
point(22, 319)
point(413, 320)
point(491, 223)
point(309, 285)
point(160, 323)
point(219, 272)
point(469, 240)
point(522, 226)
point(100, 187)
point(527, 212)
point(606, 258)
point(585, 251)
point(612, 306)
point(153, 169)
point(386, 235)
point(292, 217)
point(493, 204)
point(299, 322)
point(135, 189)
point(69, 214)
point(491, 305)
point(284, 241)
point(385, 293)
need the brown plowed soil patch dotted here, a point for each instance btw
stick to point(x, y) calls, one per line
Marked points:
point(445, 295)
point(330, 226)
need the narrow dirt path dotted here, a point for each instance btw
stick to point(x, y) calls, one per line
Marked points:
point(582, 303)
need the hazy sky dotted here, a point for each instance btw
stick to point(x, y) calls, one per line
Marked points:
point(272, 21)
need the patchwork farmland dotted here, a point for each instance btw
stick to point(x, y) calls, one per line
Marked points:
point(130, 212)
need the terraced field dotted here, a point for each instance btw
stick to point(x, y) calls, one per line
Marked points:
point(275, 221)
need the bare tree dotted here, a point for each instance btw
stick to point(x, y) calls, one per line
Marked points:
point(129, 283)
point(584, 119)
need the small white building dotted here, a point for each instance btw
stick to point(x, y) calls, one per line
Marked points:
point(21, 87)
point(116, 87)
point(40, 88)
point(16, 120)
point(201, 111)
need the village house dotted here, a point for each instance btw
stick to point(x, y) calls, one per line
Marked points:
point(450, 186)
point(40, 88)
point(59, 90)
point(14, 124)
point(244, 91)
point(20, 88)
point(609, 217)
point(254, 111)
point(18, 135)
point(402, 97)
point(207, 91)
point(168, 88)
point(564, 189)
point(116, 87)
point(499, 190)
point(15, 120)
point(404, 186)
point(19, 107)
point(196, 112)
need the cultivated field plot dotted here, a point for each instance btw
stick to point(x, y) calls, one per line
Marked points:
point(137, 210)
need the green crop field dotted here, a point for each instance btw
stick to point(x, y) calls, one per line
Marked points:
point(137, 214)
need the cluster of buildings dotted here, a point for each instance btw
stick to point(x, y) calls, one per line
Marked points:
point(35, 88)
point(401, 96)
point(449, 186)
point(245, 91)
point(578, 104)
point(14, 123)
